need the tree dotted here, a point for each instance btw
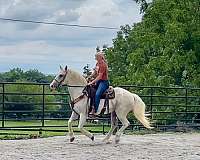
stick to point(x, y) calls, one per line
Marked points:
point(143, 5)
point(13, 75)
point(35, 76)
point(32, 75)
point(25, 99)
point(21, 101)
point(163, 49)
point(117, 56)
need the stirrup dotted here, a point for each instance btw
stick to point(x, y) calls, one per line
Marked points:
point(96, 114)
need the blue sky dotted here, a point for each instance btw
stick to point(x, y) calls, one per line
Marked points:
point(45, 47)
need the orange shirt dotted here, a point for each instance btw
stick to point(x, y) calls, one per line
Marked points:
point(102, 67)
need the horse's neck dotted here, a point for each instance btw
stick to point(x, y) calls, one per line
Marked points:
point(77, 82)
point(75, 92)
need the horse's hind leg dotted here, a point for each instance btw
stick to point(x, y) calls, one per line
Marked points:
point(125, 124)
point(113, 127)
point(82, 121)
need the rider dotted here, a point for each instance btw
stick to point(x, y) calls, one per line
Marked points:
point(101, 80)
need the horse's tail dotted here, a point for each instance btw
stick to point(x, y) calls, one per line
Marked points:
point(139, 111)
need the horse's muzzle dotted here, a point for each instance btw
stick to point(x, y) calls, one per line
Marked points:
point(52, 86)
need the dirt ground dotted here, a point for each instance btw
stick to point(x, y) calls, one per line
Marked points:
point(164, 146)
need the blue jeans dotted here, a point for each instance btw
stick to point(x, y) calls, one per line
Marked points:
point(102, 86)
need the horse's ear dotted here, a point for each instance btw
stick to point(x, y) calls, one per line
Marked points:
point(66, 68)
point(61, 67)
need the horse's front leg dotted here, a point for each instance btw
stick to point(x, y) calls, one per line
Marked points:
point(73, 117)
point(82, 121)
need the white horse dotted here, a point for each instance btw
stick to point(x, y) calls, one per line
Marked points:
point(123, 103)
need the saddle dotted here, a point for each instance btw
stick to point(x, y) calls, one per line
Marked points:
point(90, 91)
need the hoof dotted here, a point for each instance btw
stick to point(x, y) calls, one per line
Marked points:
point(72, 139)
point(116, 141)
point(92, 138)
point(107, 141)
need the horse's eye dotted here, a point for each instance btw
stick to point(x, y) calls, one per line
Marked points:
point(60, 75)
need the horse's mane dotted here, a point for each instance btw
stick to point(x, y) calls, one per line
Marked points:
point(75, 78)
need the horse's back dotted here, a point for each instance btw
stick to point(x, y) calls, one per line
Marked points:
point(121, 92)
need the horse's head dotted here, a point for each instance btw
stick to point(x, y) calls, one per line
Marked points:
point(59, 79)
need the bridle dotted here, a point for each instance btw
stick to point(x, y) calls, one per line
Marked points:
point(60, 82)
point(73, 102)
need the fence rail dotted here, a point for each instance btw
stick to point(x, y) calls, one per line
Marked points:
point(168, 107)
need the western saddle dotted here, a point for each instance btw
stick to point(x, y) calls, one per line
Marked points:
point(90, 92)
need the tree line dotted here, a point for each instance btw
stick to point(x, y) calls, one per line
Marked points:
point(18, 75)
point(22, 100)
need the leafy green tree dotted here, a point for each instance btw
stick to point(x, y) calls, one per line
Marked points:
point(163, 49)
point(1, 77)
point(117, 57)
point(143, 5)
point(32, 75)
point(13, 75)
point(35, 76)
point(23, 100)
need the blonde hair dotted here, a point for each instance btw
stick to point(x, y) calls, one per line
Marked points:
point(102, 55)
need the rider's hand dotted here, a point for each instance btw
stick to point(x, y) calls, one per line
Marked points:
point(90, 83)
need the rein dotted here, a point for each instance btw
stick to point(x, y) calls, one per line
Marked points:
point(75, 101)
point(72, 103)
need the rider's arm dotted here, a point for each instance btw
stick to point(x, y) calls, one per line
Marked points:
point(97, 78)
point(94, 73)
point(102, 69)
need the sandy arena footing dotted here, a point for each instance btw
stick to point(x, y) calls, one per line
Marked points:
point(164, 146)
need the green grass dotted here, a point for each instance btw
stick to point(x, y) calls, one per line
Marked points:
point(23, 134)
point(37, 124)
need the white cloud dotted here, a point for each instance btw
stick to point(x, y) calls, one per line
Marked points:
point(102, 12)
point(40, 51)
point(37, 45)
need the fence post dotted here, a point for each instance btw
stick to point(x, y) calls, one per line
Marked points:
point(3, 107)
point(43, 99)
point(186, 102)
point(151, 102)
point(103, 128)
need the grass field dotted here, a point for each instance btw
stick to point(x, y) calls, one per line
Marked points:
point(31, 129)
point(34, 129)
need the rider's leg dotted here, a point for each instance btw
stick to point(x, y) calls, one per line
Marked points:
point(103, 85)
point(92, 100)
